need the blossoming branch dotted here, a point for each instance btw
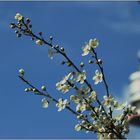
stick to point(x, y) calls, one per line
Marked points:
point(93, 114)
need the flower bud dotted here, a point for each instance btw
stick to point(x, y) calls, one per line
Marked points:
point(80, 116)
point(39, 42)
point(40, 33)
point(26, 90)
point(51, 37)
point(30, 89)
point(63, 62)
point(19, 35)
point(83, 122)
point(72, 97)
point(62, 49)
point(99, 61)
point(21, 72)
point(43, 88)
point(16, 31)
point(28, 20)
point(69, 64)
point(90, 127)
point(35, 90)
point(90, 61)
point(12, 25)
point(81, 64)
point(19, 24)
point(57, 46)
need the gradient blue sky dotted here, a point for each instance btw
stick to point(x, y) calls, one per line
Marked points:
point(115, 24)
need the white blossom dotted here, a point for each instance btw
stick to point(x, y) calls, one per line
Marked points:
point(93, 43)
point(45, 103)
point(93, 95)
point(108, 100)
point(78, 127)
point(62, 87)
point(81, 107)
point(86, 50)
point(62, 104)
point(18, 17)
point(81, 77)
point(39, 42)
point(98, 77)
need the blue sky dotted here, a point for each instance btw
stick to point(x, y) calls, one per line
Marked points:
point(115, 24)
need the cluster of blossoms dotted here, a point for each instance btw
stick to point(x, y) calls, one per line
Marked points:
point(92, 44)
point(93, 114)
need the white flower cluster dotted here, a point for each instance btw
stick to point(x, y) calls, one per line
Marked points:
point(93, 43)
point(66, 83)
point(63, 86)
